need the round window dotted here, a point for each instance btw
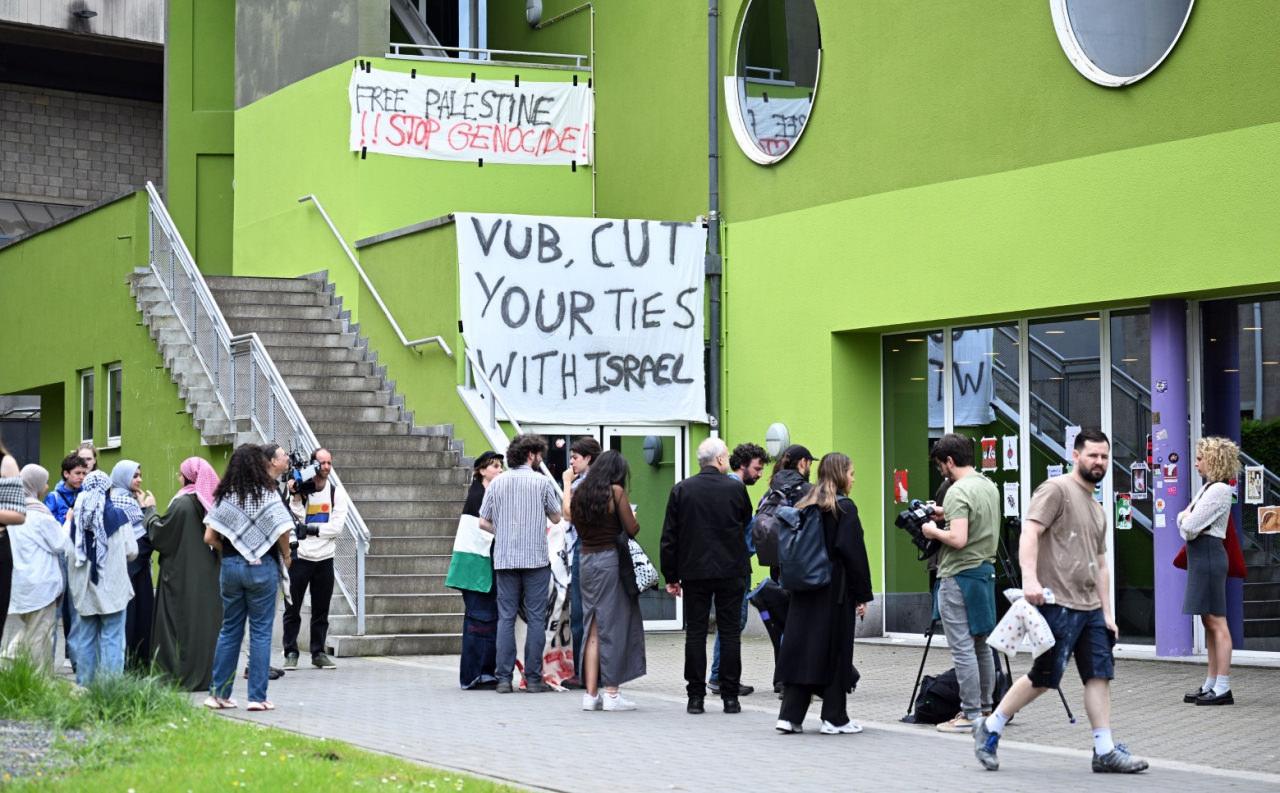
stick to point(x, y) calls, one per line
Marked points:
point(770, 95)
point(1117, 43)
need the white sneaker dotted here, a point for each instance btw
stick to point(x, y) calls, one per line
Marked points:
point(616, 702)
point(845, 729)
point(591, 703)
point(787, 727)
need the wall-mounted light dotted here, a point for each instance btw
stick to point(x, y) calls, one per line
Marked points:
point(653, 449)
point(84, 13)
point(776, 438)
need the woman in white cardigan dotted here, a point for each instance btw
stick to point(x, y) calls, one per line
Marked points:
point(1203, 524)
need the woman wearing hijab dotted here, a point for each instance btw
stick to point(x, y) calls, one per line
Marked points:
point(187, 619)
point(251, 526)
point(128, 495)
point(37, 577)
point(12, 511)
point(102, 543)
point(480, 620)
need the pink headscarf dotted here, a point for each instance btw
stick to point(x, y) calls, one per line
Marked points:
point(203, 478)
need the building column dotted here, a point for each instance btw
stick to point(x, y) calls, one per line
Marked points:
point(1221, 368)
point(1170, 434)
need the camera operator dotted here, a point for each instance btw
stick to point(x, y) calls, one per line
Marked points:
point(319, 505)
point(966, 598)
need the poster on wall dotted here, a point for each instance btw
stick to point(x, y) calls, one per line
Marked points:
point(1254, 478)
point(1011, 499)
point(453, 118)
point(1069, 440)
point(1010, 456)
point(1050, 471)
point(901, 492)
point(1269, 520)
point(1138, 481)
point(972, 388)
point(1124, 511)
point(990, 461)
point(585, 320)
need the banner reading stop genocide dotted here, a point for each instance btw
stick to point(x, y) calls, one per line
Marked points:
point(445, 118)
point(586, 320)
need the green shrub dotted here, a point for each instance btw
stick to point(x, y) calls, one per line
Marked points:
point(28, 694)
point(1261, 441)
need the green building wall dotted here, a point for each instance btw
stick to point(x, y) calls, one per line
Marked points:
point(67, 290)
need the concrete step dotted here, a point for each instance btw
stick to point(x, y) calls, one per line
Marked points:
point(361, 493)
point(1262, 627)
point(420, 545)
point(331, 382)
point(323, 370)
point(1253, 609)
point(323, 428)
point(369, 644)
point(342, 398)
point(414, 604)
point(255, 311)
point(407, 564)
point(305, 327)
point(428, 624)
point(292, 339)
point(410, 509)
point(1261, 590)
point(240, 283)
point(229, 298)
point(353, 458)
point(412, 527)
point(405, 584)
point(457, 477)
point(320, 414)
point(312, 353)
point(398, 443)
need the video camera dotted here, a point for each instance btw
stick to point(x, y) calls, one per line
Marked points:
point(303, 473)
point(911, 520)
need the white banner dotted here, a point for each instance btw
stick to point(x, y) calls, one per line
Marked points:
point(452, 118)
point(586, 320)
point(776, 123)
point(974, 387)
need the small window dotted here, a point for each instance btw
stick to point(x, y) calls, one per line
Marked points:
point(86, 406)
point(114, 392)
point(1118, 43)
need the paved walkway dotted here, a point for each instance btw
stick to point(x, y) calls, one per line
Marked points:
point(412, 707)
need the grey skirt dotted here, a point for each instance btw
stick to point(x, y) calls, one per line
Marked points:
point(619, 626)
point(1206, 577)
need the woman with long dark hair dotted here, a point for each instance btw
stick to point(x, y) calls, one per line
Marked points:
point(1203, 524)
point(817, 646)
point(480, 621)
point(250, 525)
point(613, 649)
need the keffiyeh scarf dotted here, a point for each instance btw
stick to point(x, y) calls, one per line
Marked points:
point(122, 495)
point(90, 527)
point(253, 526)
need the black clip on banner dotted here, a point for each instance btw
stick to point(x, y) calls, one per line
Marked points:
point(481, 162)
point(573, 166)
point(413, 74)
point(368, 67)
point(575, 79)
point(473, 77)
point(517, 81)
point(364, 150)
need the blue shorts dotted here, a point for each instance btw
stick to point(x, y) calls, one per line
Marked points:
point(1080, 633)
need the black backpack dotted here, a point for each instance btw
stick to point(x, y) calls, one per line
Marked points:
point(802, 550)
point(939, 698)
point(764, 529)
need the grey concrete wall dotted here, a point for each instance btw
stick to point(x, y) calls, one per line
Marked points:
point(137, 20)
point(279, 42)
point(68, 148)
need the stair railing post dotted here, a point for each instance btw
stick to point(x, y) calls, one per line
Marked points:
point(359, 587)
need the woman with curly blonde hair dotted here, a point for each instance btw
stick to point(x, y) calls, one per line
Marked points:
point(1203, 524)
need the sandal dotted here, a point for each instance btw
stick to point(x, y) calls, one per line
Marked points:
point(216, 703)
point(263, 705)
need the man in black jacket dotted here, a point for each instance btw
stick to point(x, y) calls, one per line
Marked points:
point(704, 556)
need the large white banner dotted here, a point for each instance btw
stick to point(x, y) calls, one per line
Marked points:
point(586, 320)
point(452, 118)
point(776, 123)
point(974, 387)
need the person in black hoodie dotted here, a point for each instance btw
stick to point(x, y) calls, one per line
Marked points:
point(704, 557)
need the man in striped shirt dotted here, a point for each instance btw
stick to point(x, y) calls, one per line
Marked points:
point(516, 509)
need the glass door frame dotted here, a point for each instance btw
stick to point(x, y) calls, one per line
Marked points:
point(1024, 410)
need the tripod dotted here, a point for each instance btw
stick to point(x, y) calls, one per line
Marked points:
point(1011, 574)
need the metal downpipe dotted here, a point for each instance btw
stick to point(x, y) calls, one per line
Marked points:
point(713, 261)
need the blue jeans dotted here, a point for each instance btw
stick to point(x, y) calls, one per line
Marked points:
point(527, 588)
point(247, 591)
point(97, 645)
point(715, 652)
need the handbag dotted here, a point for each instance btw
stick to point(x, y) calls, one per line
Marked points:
point(634, 568)
point(1236, 567)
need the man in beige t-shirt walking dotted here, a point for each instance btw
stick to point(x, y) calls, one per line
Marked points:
point(1063, 550)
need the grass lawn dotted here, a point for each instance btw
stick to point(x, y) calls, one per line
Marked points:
point(139, 735)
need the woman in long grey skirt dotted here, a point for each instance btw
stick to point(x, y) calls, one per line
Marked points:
point(1203, 525)
point(613, 652)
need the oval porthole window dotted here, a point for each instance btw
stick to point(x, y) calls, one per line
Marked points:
point(1118, 42)
point(770, 95)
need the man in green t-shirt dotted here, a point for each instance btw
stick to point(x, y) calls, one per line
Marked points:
point(966, 594)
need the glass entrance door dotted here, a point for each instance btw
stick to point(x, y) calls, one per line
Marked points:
point(650, 484)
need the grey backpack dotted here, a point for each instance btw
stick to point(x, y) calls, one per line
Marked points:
point(802, 549)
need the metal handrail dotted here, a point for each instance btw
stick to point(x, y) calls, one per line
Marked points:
point(396, 52)
point(228, 384)
point(373, 290)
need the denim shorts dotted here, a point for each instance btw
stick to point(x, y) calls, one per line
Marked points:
point(1080, 633)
